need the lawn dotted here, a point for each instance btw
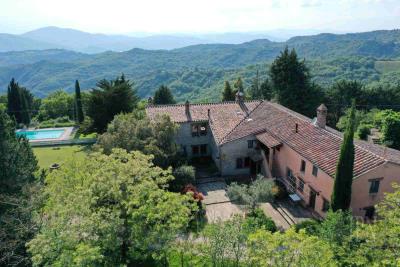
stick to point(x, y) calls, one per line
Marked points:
point(49, 155)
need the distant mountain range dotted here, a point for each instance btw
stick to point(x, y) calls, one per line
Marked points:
point(79, 41)
point(198, 71)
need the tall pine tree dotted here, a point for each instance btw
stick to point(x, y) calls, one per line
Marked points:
point(78, 103)
point(341, 196)
point(19, 103)
point(163, 96)
point(228, 94)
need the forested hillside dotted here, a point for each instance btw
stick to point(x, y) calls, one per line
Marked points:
point(198, 72)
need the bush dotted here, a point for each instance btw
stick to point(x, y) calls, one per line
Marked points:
point(258, 220)
point(310, 226)
point(363, 131)
point(184, 175)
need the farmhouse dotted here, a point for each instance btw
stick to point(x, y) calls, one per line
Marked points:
point(251, 137)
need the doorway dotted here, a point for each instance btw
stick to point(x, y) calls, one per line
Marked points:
point(311, 201)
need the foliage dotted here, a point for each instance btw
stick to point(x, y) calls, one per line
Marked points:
point(258, 220)
point(163, 96)
point(109, 99)
point(341, 195)
point(19, 103)
point(289, 249)
point(391, 129)
point(227, 93)
point(184, 175)
point(336, 227)
point(17, 194)
point(110, 211)
point(310, 226)
point(238, 85)
point(250, 195)
point(78, 103)
point(363, 131)
point(57, 104)
point(135, 131)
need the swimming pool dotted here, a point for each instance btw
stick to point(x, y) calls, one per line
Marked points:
point(41, 134)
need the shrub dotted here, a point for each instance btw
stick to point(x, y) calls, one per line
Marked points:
point(363, 131)
point(184, 175)
point(258, 220)
point(310, 226)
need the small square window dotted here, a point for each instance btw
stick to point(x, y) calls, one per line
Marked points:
point(247, 162)
point(325, 205)
point(315, 170)
point(203, 149)
point(195, 150)
point(239, 163)
point(303, 166)
point(374, 186)
point(300, 186)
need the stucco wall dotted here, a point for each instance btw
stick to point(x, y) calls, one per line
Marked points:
point(361, 197)
point(322, 183)
point(233, 150)
point(184, 138)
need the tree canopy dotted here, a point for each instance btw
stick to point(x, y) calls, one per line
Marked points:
point(163, 96)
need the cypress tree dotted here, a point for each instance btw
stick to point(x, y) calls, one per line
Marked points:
point(19, 102)
point(341, 196)
point(78, 103)
point(228, 94)
point(163, 96)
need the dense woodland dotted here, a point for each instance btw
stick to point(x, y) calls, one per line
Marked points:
point(131, 202)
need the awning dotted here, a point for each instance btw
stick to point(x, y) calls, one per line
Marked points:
point(268, 140)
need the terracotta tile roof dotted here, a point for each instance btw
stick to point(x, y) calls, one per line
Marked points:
point(320, 146)
point(273, 123)
point(225, 116)
point(268, 140)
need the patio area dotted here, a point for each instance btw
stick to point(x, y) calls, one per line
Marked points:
point(220, 208)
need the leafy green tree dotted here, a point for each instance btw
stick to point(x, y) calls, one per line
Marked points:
point(288, 249)
point(257, 219)
point(17, 167)
point(20, 102)
point(391, 129)
point(250, 195)
point(136, 131)
point(78, 103)
point(378, 242)
point(163, 96)
point(238, 85)
point(108, 211)
point(109, 99)
point(337, 227)
point(228, 94)
point(341, 196)
point(266, 89)
point(184, 175)
point(291, 83)
point(339, 98)
point(57, 104)
point(255, 88)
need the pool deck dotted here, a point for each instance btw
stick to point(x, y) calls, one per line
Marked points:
point(67, 134)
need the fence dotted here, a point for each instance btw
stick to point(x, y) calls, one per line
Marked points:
point(88, 141)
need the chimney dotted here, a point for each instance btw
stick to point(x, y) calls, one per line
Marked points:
point(208, 113)
point(296, 128)
point(187, 107)
point(239, 97)
point(322, 112)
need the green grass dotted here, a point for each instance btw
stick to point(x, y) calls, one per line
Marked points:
point(49, 155)
point(384, 66)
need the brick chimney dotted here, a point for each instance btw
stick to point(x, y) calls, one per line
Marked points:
point(187, 107)
point(322, 112)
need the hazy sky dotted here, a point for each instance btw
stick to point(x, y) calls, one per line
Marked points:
point(125, 16)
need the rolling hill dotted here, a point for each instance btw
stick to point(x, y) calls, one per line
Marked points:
point(198, 71)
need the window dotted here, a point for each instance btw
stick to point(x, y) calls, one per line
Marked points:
point(374, 186)
point(289, 172)
point(251, 143)
point(325, 205)
point(195, 150)
point(303, 166)
point(247, 162)
point(203, 149)
point(195, 130)
point(300, 187)
point(239, 163)
point(315, 170)
point(203, 129)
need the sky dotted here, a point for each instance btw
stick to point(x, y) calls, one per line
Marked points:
point(199, 16)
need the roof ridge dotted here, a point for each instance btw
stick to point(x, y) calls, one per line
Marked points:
point(201, 104)
point(240, 122)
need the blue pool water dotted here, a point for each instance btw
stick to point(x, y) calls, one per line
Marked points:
point(41, 134)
